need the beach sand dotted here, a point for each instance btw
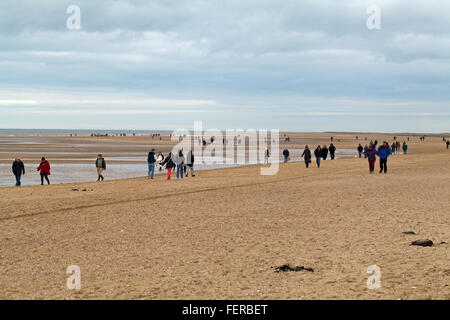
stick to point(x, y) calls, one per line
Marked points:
point(220, 235)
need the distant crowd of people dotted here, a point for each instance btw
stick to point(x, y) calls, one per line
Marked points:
point(183, 163)
point(369, 151)
point(321, 153)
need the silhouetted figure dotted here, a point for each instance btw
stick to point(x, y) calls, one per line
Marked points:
point(318, 155)
point(324, 153)
point(360, 150)
point(332, 150)
point(18, 170)
point(307, 154)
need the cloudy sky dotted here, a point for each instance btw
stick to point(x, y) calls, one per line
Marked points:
point(304, 65)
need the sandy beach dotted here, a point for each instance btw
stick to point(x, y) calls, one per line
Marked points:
point(221, 234)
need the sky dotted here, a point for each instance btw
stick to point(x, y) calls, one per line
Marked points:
point(301, 65)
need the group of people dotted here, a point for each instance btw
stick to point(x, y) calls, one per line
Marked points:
point(383, 152)
point(370, 152)
point(395, 147)
point(18, 169)
point(320, 153)
point(183, 163)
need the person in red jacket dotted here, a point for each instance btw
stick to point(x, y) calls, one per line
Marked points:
point(44, 170)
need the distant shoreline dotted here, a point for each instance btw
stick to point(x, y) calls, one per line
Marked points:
point(116, 132)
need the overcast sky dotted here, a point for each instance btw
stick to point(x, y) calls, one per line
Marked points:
point(290, 64)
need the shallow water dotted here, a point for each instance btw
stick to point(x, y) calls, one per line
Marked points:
point(84, 172)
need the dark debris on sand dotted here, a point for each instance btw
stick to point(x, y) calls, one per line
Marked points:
point(422, 243)
point(288, 267)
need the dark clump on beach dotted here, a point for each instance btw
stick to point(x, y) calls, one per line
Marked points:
point(409, 232)
point(288, 267)
point(422, 243)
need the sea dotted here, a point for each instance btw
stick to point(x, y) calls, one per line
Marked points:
point(78, 132)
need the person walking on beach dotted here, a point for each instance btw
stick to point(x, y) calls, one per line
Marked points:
point(286, 155)
point(384, 151)
point(160, 160)
point(100, 164)
point(169, 164)
point(394, 146)
point(151, 164)
point(190, 163)
point(324, 153)
point(366, 147)
point(178, 159)
point(371, 155)
point(447, 143)
point(185, 163)
point(44, 170)
point(266, 156)
point(307, 154)
point(318, 155)
point(332, 150)
point(360, 150)
point(405, 147)
point(18, 169)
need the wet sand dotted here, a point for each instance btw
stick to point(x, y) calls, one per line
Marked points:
point(72, 158)
point(220, 234)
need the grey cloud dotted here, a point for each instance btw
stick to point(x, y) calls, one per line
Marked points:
point(231, 50)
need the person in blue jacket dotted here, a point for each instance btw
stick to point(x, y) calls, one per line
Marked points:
point(384, 151)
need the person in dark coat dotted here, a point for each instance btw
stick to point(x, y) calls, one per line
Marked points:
point(332, 150)
point(190, 163)
point(307, 154)
point(286, 155)
point(151, 163)
point(44, 170)
point(169, 164)
point(324, 153)
point(360, 150)
point(405, 147)
point(100, 165)
point(318, 155)
point(18, 169)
